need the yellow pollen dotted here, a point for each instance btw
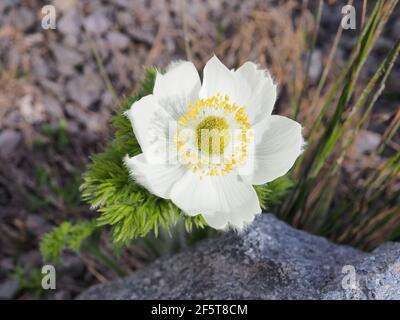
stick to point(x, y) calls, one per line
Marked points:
point(212, 135)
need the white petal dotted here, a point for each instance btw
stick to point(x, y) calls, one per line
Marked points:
point(226, 196)
point(150, 123)
point(281, 143)
point(263, 91)
point(180, 80)
point(196, 196)
point(176, 106)
point(241, 217)
point(237, 219)
point(217, 220)
point(219, 79)
point(157, 178)
point(141, 115)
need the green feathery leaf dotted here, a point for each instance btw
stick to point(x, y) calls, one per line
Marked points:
point(66, 236)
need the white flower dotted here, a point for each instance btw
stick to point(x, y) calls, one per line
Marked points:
point(255, 147)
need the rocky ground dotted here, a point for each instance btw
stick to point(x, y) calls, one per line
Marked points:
point(58, 89)
point(270, 260)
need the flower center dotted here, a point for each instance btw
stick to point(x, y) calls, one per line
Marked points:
point(212, 135)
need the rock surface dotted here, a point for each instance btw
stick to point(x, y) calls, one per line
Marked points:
point(268, 261)
point(9, 140)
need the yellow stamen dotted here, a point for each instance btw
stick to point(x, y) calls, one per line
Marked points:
point(213, 135)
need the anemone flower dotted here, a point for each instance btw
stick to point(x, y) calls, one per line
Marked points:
point(204, 145)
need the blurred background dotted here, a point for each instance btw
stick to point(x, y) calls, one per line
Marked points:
point(59, 88)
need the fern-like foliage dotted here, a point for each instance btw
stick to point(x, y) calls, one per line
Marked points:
point(130, 209)
point(127, 207)
point(272, 194)
point(66, 236)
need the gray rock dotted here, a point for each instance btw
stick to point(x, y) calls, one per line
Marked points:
point(117, 40)
point(53, 107)
point(395, 31)
point(66, 58)
point(8, 289)
point(125, 19)
point(64, 6)
point(23, 18)
point(70, 23)
point(9, 140)
point(123, 3)
point(85, 89)
point(40, 68)
point(37, 225)
point(393, 83)
point(315, 66)
point(97, 23)
point(30, 259)
point(367, 141)
point(76, 113)
point(144, 36)
point(383, 46)
point(33, 39)
point(61, 295)
point(56, 88)
point(71, 266)
point(93, 121)
point(268, 261)
point(7, 265)
point(377, 277)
